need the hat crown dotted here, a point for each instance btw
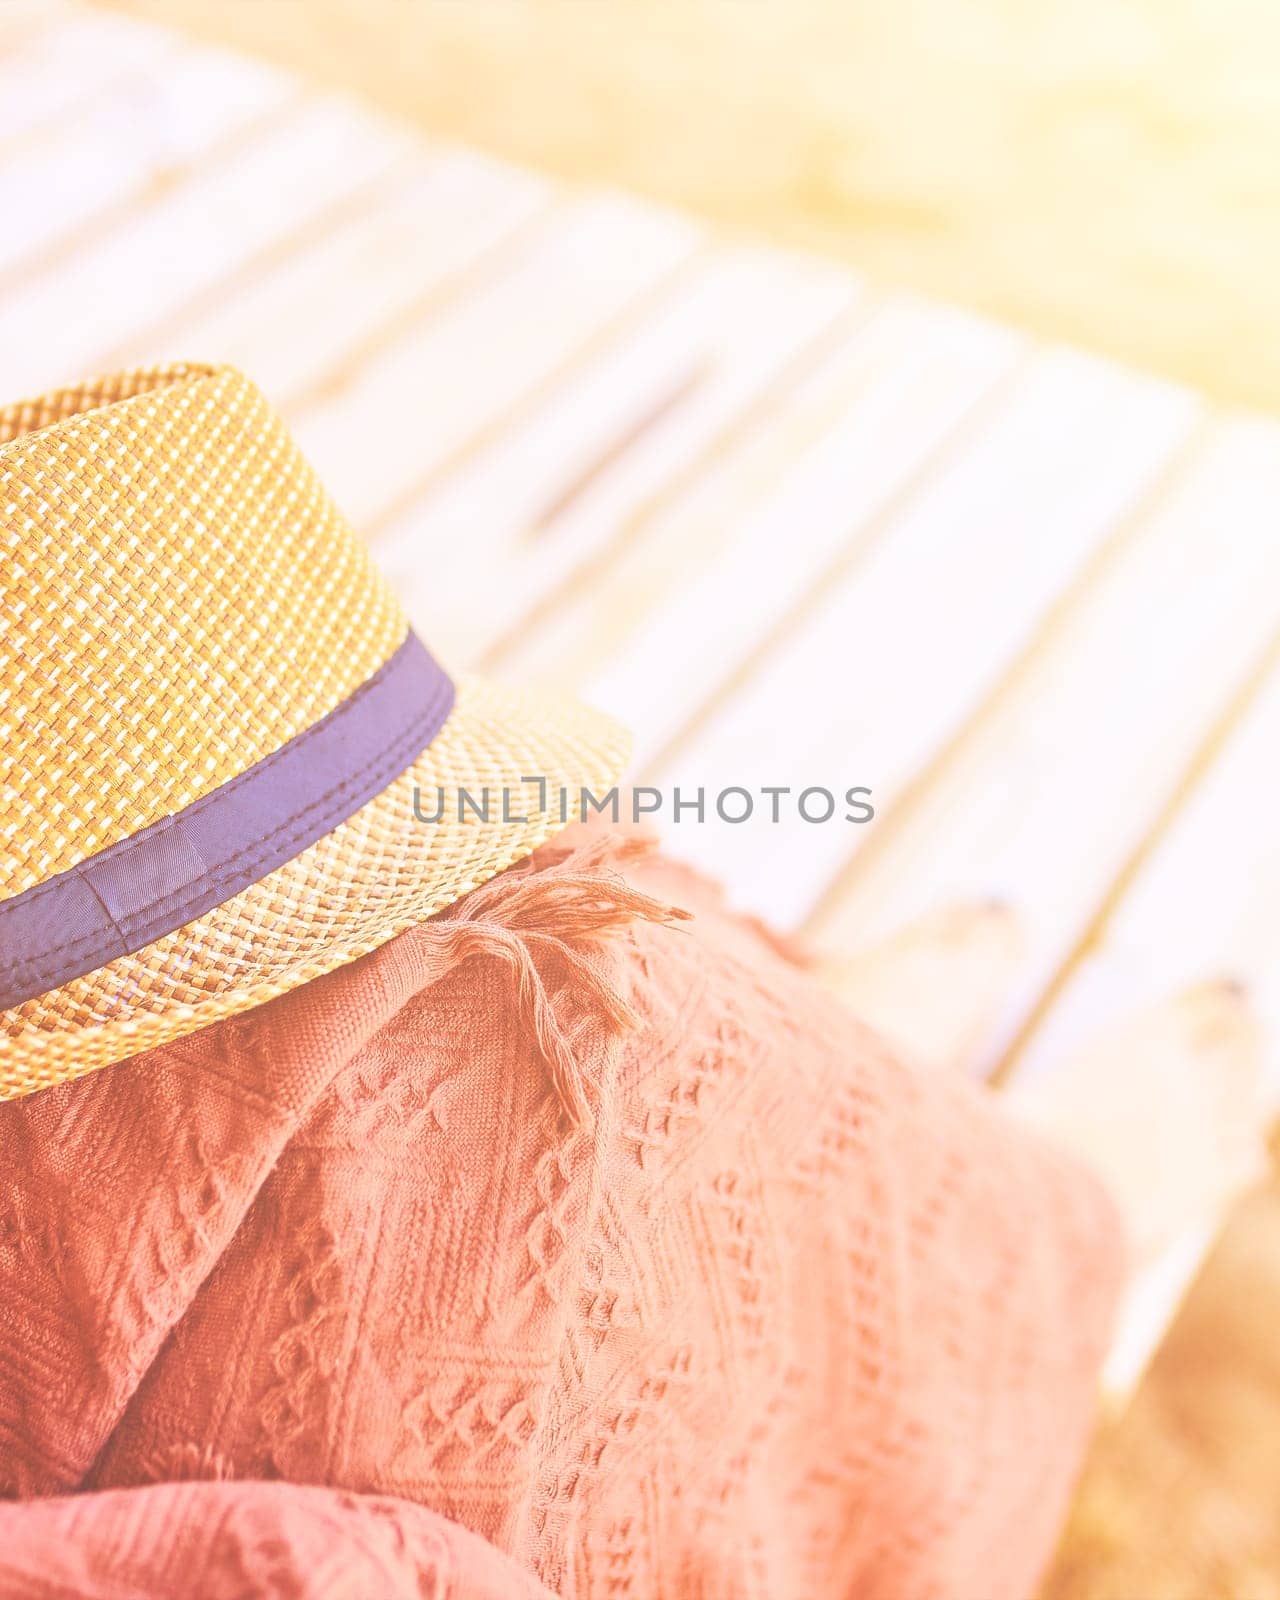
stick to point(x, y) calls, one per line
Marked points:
point(179, 598)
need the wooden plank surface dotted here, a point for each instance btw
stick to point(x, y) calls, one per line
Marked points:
point(794, 529)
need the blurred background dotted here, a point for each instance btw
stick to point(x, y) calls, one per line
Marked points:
point(1101, 172)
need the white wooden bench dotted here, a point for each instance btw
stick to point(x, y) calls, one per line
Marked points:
point(791, 526)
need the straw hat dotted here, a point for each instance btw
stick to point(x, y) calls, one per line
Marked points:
point(213, 721)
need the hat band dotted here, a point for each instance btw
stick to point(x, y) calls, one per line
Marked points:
point(133, 892)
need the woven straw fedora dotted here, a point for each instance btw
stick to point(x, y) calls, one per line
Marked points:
point(214, 725)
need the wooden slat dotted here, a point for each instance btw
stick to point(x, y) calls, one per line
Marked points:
point(797, 490)
point(55, 71)
point(430, 392)
point(1196, 1055)
point(495, 537)
point(1204, 901)
point(960, 956)
point(304, 317)
point(1165, 1105)
point(76, 317)
point(124, 146)
point(1049, 795)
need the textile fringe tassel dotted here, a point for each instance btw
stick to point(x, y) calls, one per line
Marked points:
point(555, 909)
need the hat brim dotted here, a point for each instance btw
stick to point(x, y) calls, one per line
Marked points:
point(380, 872)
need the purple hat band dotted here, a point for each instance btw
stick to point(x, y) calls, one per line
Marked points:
point(122, 898)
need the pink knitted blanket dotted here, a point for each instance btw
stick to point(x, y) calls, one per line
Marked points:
point(562, 1245)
